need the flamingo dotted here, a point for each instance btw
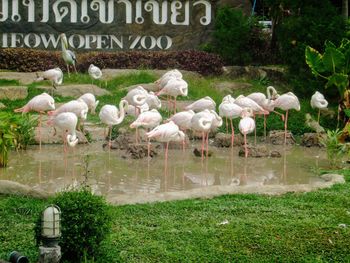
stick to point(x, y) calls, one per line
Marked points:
point(131, 110)
point(246, 126)
point(318, 101)
point(94, 72)
point(90, 101)
point(231, 111)
point(148, 120)
point(55, 75)
point(136, 97)
point(66, 121)
point(78, 107)
point(67, 55)
point(39, 103)
point(175, 87)
point(201, 122)
point(183, 120)
point(163, 80)
point(287, 102)
point(268, 103)
point(153, 101)
point(110, 116)
point(246, 102)
point(166, 133)
point(202, 104)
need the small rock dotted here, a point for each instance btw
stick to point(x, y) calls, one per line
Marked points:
point(311, 140)
point(122, 142)
point(275, 154)
point(224, 140)
point(139, 151)
point(258, 151)
point(13, 92)
point(277, 138)
point(313, 124)
point(198, 153)
point(76, 90)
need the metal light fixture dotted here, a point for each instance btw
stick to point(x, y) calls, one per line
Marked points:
point(50, 226)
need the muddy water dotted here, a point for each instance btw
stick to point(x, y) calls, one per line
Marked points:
point(111, 175)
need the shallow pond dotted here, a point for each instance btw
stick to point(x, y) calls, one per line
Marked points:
point(111, 175)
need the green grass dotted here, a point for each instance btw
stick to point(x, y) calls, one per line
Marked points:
point(295, 227)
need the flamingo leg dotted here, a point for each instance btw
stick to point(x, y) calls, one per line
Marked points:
point(40, 130)
point(148, 147)
point(232, 134)
point(226, 125)
point(75, 69)
point(175, 105)
point(245, 146)
point(203, 138)
point(166, 152)
point(319, 114)
point(207, 142)
point(254, 132)
point(265, 126)
point(285, 128)
point(280, 114)
point(110, 139)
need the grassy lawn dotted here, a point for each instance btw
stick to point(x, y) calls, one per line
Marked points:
point(295, 227)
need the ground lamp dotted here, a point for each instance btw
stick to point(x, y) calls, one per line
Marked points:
point(50, 251)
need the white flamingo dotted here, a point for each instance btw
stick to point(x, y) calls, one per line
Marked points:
point(90, 101)
point(153, 101)
point(67, 55)
point(174, 87)
point(231, 111)
point(202, 122)
point(110, 115)
point(94, 72)
point(136, 97)
point(55, 75)
point(318, 101)
point(287, 102)
point(246, 126)
point(166, 133)
point(67, 122)
point(163, 80)
point(148, 120)
point(78, 107)
point(267, 103)
point(40, 103)
point(132, 111)
point(202, 104)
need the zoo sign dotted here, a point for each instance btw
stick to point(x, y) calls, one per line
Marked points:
point(106, 25)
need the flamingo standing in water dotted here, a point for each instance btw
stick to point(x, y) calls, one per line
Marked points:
point(90, 101)
point(246, 126)
point(166, 133)
point(201, 122)
point(287, 102)
point(318, 101)
point(67, 122)
point(55, 75)
point(231, 111)
point(110, 116)
point(267, 103)
point(40, 103)
point(148, 120)
point(67, 55)
point(175, 87)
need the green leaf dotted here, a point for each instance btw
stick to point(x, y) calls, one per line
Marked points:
point(345, 45)
point(347, 112)
point(339, 80)
point(329, 44)
point(347, 61)
point(333, 59)
point(314, 60)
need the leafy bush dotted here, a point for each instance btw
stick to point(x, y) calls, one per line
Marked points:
point(335, 149)
point(239, 39)
point(86, 222)
point(26, 60)
point(16, 131)
point(310, 22)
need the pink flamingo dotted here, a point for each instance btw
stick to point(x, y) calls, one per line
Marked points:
point(166, 133)
point(55, 75)
point(268, 103)
point(67, 122)
point(136, 97)
point(90, 101)
point(231, 111)
point(183, 120)
point(94, 72)
point(148, 120)
point(174, 87)
point(201, 122)
point(110, 116)
point(287, 102)
point(246, 126)
point(39, 103)
point(153, 101)
point(202, 104)
point(318, 101)
point(163, 80)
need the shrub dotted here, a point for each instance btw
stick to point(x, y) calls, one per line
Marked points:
point(310, 22)
point(86, 222)
point(20, 59)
